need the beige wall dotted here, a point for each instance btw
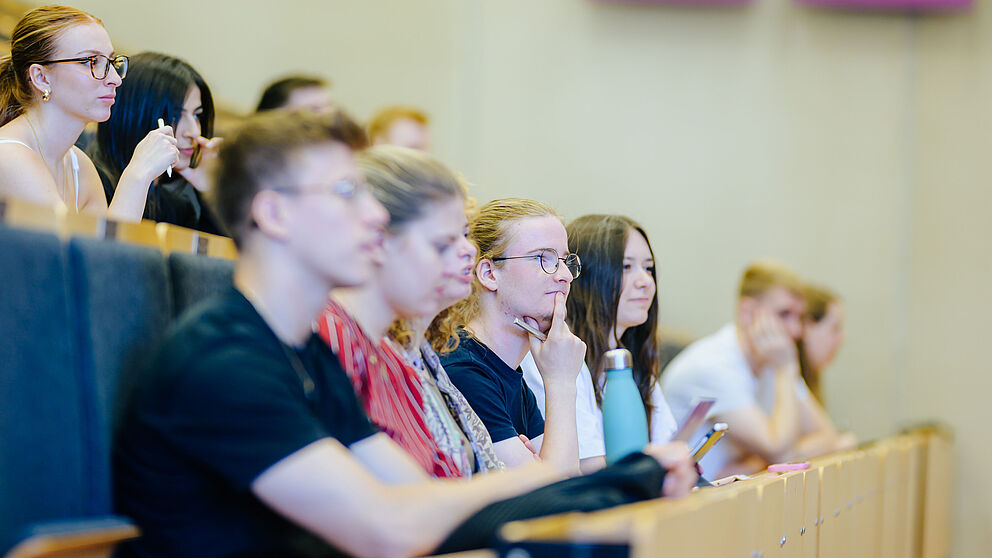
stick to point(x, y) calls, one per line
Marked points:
point(848, 145)
point(948, 371)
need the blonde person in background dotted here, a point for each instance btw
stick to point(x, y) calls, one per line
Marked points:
point(514, 278)
point(62, 74)
point(419, 339)
point(404, 126)
point(426, 206)
point(751, 368)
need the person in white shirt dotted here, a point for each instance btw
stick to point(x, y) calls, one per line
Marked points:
point(613, 304)
point(751, 368)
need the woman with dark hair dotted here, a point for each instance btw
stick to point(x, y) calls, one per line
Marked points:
point(62, 73)
point(296, 93)
point(162, 87)
point(613, 304)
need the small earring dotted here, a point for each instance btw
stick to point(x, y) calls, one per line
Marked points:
point(45, 95)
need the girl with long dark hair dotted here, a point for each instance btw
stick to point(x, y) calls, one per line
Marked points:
point(167, 88)
point(614, 303)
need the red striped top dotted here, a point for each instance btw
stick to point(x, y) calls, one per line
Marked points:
point(388, 388)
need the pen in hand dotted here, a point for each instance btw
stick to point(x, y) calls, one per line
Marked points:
point(168, 171)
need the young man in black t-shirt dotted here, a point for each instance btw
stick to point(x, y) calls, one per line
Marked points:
point(244, 436)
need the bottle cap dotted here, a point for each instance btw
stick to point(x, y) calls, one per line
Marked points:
point(617, 359)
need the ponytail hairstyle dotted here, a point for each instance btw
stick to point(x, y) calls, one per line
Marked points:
point(406, 182)
point(33, 42)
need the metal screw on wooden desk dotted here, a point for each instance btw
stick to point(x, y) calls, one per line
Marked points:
point(781, 541)
point(836, 512)
point(802, 531)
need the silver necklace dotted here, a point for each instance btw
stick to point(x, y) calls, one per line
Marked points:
point(61, 178)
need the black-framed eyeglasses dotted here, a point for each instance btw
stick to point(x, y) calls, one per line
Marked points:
point(345, 188)
point(99, 64)
point(549, 259)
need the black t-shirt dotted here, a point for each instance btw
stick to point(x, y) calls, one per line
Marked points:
point(222, 400)
point(496, 392)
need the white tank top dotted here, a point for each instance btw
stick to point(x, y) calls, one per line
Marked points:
point(75, 166)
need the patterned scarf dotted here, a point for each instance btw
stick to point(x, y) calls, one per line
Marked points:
point(470, 422)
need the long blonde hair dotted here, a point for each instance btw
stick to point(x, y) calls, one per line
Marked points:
point(491, 233)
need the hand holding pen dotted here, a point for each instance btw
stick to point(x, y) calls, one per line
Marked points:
point(161, 125)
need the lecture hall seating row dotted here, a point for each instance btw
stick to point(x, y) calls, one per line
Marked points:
point(64, 224)
point(85, 299)
point(888, 499)
point(83, 302)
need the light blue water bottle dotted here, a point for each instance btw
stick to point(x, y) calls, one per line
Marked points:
point(625, 424)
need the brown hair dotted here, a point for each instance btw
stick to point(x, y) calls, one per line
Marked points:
point(490, 231)
point(277, 93)
point(380, 123)
point(763, 275)
point(600, 240)
point(33, 41)
point(260, 151)
point(818, 301)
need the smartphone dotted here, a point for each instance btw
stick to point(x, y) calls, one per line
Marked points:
point(694, 421)
point(194, 160)
point(709, 440)
point(529, 329)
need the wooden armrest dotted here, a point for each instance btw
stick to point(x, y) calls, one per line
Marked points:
point(90, 538)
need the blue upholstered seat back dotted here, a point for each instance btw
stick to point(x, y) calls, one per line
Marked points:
point(43, 471)
point(78, 320)
point(121, 298)
point(195, 278)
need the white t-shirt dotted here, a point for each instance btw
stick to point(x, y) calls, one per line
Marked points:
point(715, 367)
point(588, 415)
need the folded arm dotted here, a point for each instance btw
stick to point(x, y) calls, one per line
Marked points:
point(324, 489)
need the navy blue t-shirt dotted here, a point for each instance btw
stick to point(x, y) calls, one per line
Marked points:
point(223, 399)
point(496, 392)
